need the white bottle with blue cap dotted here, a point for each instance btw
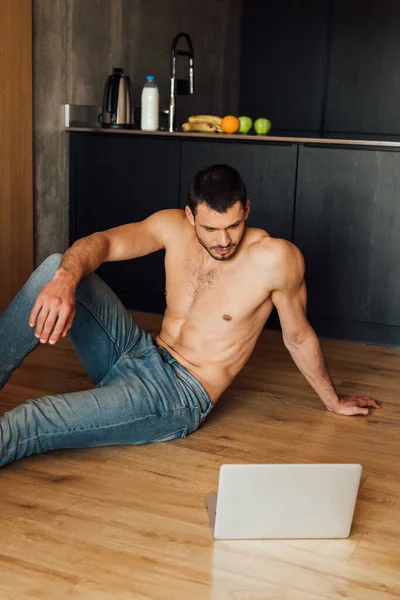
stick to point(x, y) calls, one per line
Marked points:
point(150, 105)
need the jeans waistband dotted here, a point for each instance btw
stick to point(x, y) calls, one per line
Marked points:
point(190, 379)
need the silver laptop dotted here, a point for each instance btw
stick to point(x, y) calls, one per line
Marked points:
point(284, 501)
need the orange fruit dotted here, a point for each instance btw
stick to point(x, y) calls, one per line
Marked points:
point(230, 124)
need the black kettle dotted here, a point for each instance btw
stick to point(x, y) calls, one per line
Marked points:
point(117, 101)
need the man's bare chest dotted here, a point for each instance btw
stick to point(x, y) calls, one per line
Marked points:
point(190, 282)
point(199, 281)
point(221, 292)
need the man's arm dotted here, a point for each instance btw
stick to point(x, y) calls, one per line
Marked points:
point(54, 309)
point(120, 243)
point(290, 299)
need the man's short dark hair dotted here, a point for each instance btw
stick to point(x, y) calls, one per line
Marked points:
point(218, 186)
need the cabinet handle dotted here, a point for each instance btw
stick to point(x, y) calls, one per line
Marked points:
point(353, 146)
point(326, 145)
point(226, 140)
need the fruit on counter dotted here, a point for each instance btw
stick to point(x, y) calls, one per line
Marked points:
point(206, 119)
point(230, 124)
point(200, 127)
point(203, 123)
point(262, 126)
point(245, 124)
point(227, 124)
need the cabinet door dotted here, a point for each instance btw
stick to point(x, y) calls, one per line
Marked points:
point(283, 62)
point(118, 179)
point(347, 224)
point(268, 171)
point(364, 81)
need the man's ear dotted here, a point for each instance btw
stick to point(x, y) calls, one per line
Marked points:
point(189, 215)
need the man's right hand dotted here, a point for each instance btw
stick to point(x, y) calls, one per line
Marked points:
point(54, 309)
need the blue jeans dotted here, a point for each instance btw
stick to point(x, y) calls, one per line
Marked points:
point(141, 394)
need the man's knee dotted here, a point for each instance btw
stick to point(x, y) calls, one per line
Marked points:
point(46, 270)
point(52, 262)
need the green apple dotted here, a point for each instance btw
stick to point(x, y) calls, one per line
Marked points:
point(245, 124)
point(262, 126)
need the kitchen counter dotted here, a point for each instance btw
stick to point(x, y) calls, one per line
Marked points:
point(342, 141)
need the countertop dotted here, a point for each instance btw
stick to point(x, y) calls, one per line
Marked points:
point(244, 138)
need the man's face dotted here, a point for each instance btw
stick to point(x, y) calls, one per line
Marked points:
point(219, 233)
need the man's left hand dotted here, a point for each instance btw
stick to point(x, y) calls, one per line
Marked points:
point(354, 405)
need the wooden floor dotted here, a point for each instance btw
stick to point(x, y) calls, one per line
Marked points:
point(131, 523)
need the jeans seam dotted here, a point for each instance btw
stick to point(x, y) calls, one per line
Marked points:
point(35, 437)
point(143, 354)
point(114, 341)
point(186, 429)
point(179, 375)
point(14, 364)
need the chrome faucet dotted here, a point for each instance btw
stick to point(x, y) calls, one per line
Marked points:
point(180, 86)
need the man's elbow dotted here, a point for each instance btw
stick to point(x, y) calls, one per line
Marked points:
point(295, 339)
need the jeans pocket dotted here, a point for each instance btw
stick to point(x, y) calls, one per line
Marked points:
point(176, 435)
point(180, 391)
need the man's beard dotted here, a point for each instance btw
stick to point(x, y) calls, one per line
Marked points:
point(221, 257)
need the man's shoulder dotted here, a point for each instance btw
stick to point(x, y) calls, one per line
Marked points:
point(172, 216)
point(266, 249)
point(277, 258)
point(168, 222)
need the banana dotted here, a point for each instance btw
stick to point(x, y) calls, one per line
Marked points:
point(206, 119)
point(201, 127)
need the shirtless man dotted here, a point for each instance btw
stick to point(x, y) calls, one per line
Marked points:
point(222, 282)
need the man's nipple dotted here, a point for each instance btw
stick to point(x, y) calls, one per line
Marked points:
point(227, 317)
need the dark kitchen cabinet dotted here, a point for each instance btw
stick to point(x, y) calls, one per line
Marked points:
point(284, 63)
point(364, 77)
point(118, 179)
point(347, 225)
point(268, 171)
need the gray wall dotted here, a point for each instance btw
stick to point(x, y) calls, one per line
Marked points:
point(76, 44)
